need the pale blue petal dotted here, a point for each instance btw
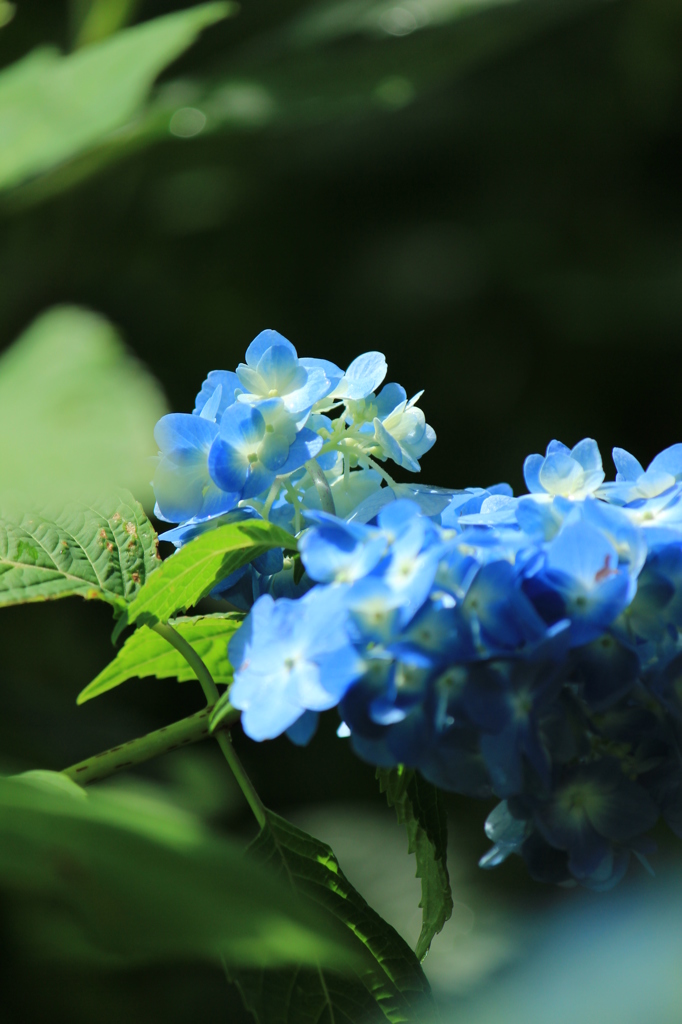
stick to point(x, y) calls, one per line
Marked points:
point(242, 426)
point(531, 473)
point(390, 396)
point(371, 506)
point(556, 447)
point(179, 432)
point(278, 366)
point(227, 380)
point(560, 474)
point(250, 380)
point(627, 466)
point(312, 390)
point(332, 372)
point(431, 500)
point(306, 446)
point(389, 445)
point(363, 376)
point(587, 453)
point(669, 461)
point(273, 452)
point(263, 341)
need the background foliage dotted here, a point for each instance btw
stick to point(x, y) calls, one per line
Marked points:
point(488, 193)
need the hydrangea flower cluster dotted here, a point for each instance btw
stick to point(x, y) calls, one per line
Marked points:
point(283, 435)
point(526, 648)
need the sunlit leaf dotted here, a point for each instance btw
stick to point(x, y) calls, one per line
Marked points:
point(104, 551)
point(419, 806)
point(77, 412)
point(145, 653)
point(143, 882)
point(388, 985)
point(54, 107)
point(193, 571)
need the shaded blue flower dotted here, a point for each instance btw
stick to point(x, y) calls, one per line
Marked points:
point(570, 472)
point(336, 551)
point(257, 443)
point(183, 486)
point(291, 657)
point(581, 580)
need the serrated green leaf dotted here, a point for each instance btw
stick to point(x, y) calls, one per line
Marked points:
point(77, 412)
point(389, 985)
point(140, 881)
point(193, 571)
point(106, 551)
point(145, 653)
point(419, 806)
point(53, 108)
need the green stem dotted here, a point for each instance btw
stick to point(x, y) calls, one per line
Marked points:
point(371, 464)
point(191, 657)
point(245, 784)
point(321, 486)
point(153, 744)
point(295, 501)
point(211, 691)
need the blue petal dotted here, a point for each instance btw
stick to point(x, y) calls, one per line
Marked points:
point(278, 366)
point(390, 396)
point(178, 433)
point(669, 461)
point(627, 466)
point(363, 376)
point(556, 447)
point(531, 473)
point(227, 466)
point(586, 452)
point(225, 379)
point(242, 426)
point(304, 728)
point(259, 479)
point(306, 446)
point(262, 342)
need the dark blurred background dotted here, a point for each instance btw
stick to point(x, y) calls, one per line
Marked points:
point(488, 193)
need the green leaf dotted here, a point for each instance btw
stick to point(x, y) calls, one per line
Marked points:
point(419, 806)
point(105, 551)
point(53, 108)
point(388, 984)
point(77, 412)
point(138, 880)
point(193, 571)
point(145, 653)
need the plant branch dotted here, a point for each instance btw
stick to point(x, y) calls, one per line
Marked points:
point(192, 658)
point(153, 744)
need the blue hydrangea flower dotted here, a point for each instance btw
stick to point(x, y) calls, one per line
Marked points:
point(273, 370)
point(570, 472)
point(254, 444)
point(183, 486)
point(400, 428)
point(291, 657)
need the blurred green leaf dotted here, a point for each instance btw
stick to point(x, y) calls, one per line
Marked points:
point(145, 653)
point(140, 882)
point(419, 806)
point(388, 985)
point(54, 107)
point(77, 412)
point(96, 19)
point(104, 551)
point(193, 571)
